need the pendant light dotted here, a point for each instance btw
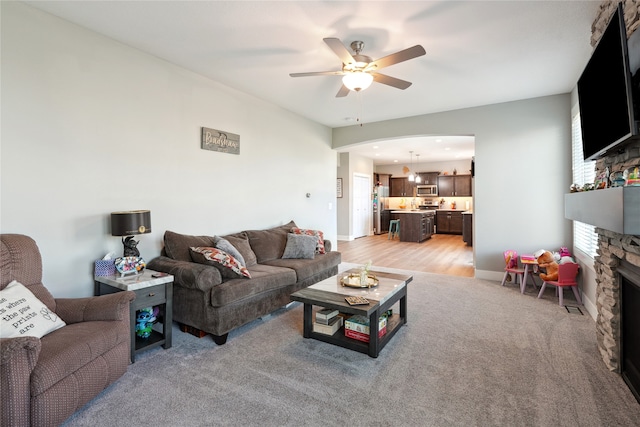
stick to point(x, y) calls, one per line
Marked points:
point(411, 175)
point(418, 179)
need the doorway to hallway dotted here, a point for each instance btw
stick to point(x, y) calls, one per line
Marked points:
point(362, 205)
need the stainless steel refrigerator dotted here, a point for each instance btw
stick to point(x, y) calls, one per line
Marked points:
point(380, 205)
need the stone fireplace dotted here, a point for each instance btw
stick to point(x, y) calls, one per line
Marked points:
point(619, 249)
point(613, 249)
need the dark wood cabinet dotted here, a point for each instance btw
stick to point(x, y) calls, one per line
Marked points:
point(381, 179)
point(385, 217)
point(416, 227)
point(401, 187)
point(454, 185)
point(429, 178)
point(449, 222)
point(467, 228)
point(462, 184)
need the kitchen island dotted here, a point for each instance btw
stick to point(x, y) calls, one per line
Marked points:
point(415, 225)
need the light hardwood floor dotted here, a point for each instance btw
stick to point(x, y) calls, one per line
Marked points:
point(442, 254)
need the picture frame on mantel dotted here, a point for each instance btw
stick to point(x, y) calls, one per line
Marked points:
point(339, 188)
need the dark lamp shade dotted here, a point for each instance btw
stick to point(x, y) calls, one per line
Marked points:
point(130, 222)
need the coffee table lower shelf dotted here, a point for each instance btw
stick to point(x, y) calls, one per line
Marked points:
point(394, 322)
point(330, 294)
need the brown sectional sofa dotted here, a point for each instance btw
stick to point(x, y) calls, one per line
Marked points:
point(205, 300)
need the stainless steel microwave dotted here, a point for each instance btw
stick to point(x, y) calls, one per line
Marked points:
point(426, 190)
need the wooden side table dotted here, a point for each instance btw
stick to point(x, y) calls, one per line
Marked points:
point(150, 291)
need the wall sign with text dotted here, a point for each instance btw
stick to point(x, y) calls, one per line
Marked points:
point(217, 140)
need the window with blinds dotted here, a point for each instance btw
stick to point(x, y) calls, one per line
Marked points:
point(584, 235)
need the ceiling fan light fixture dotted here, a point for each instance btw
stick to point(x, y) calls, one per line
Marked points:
point(357, 80)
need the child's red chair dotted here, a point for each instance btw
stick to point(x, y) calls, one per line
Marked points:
point(567, 274)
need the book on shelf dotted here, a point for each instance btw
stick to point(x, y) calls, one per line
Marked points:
point(326, 315)
point(360, 323)
point(331, 328)
point(350, 333)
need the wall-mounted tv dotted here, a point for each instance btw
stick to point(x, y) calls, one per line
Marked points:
point(606, 91)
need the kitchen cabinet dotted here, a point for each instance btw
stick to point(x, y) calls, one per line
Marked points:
point(415, 226)
point(454, 185)
point(449, 222)
point(429, 178)
point(401, 187)
point(385, 217)
point(381, 179)
point(467, 228)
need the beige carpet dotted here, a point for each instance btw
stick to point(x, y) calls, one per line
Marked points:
point(472, 354)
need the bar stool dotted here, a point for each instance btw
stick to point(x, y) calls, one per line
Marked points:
point(394, 229)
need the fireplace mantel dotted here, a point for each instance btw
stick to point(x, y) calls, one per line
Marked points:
point(616, 209)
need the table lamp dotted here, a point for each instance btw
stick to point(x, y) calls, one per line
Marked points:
point(130, 223)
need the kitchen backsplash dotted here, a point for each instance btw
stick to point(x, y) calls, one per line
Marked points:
point(461, 203)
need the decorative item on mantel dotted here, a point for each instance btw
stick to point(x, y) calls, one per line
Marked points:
point(628, 178)
point(632, 177)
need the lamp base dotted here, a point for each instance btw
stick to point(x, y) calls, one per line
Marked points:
point(130, 247)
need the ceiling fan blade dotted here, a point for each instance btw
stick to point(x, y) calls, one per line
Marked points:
point(318, 73)
point(344, 91)
point(394, 58)
point(390, 81)
point(339, 49)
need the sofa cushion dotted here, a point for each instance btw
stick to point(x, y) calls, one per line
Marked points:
point(68, 349)
point(264, 278)
point(240, 241)
point(228, 265)
point(300, 246)
point(306, 268)
point(24, 315)
point(317, 233)
point(177, 245)
point(226, 246)
point(269, 244)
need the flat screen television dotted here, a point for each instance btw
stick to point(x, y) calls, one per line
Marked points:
point(607, 89)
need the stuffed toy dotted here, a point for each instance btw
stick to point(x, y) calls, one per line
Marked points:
point(547, 261)
point(144, 321)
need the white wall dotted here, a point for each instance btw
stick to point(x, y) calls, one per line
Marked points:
point(350, 164)
point(91, 126)
point(522, 171)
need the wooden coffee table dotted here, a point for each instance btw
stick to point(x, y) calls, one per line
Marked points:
point(329, 293)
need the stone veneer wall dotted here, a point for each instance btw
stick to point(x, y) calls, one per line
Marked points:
point(613, 247)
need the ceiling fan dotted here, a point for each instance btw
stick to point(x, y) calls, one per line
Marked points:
point(359, 70)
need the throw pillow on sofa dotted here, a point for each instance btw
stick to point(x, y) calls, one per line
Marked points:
point(229, 267)
point(300, 246)
point(320, 249)
point(24, 315)
point(240, 241)
point(226, 246)
point(270, 243)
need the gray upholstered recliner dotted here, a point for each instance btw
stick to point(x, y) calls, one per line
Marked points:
point(45, 380)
